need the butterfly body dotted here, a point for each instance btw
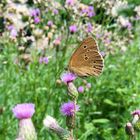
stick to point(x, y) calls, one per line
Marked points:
point(86, 60)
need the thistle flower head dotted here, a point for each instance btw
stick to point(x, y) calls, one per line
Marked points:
point(70, 2)
point(69, 108)
point(81, 89)
point(13, 33)
point(73, 28)
point(55, 11)
point(91, 12)
point(136, 112)
point(89, 27)
point(35, 12)
point(36, 20)
point(24, 111)
point(43, 60)
point(136, 116)
point(50, 23)
point(68, 77)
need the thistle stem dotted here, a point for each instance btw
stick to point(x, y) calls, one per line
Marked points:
point(71, 135)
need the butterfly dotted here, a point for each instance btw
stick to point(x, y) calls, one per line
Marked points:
point(86, 60)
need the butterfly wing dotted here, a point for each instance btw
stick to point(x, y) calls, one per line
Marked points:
point(86, 60)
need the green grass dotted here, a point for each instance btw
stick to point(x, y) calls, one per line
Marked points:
point(104, 109)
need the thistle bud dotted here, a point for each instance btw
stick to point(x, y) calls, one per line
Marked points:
point(50, 123)
point(129, 129)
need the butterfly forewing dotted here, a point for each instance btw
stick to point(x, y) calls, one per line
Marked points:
point(86, 60)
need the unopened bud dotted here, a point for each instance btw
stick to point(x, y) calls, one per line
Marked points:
point(52, 124)
point(129, 129)
point(72, 90)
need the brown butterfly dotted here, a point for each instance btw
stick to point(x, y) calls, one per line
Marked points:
point(86, 60)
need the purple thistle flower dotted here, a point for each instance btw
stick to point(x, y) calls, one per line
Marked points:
point(90, 11)
point(36, 20)
point(84, 11)
point(69, 109)
point(129, 26)
point(24, 111)
point(68, 77)
point(35, 12)
point(50, 23)
point(81, 89)
point(89, 27)
point(13, 33)
point(10, 27)
point(73, 28)
point(136, 112)
point(55, 11)
point(44, 60)
point(70, 2)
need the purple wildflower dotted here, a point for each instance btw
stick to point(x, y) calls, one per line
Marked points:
point(10, 27)
point(73, 28)
point(81, 89)
point(35, 12)
point(50, 23)
point(55, 11)
point(36, 20)
point(69, 109)
point(68, 77)
point(136, 112)
point(44, 60)
point(24, 111)
point(13, 33)
point(89, 27)
point(84, 11)
point(90, 11)
point(70, 2)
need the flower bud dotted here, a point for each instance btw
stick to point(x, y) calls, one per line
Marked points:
point(129, 129)
point(52, 124)
point(72, 90)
